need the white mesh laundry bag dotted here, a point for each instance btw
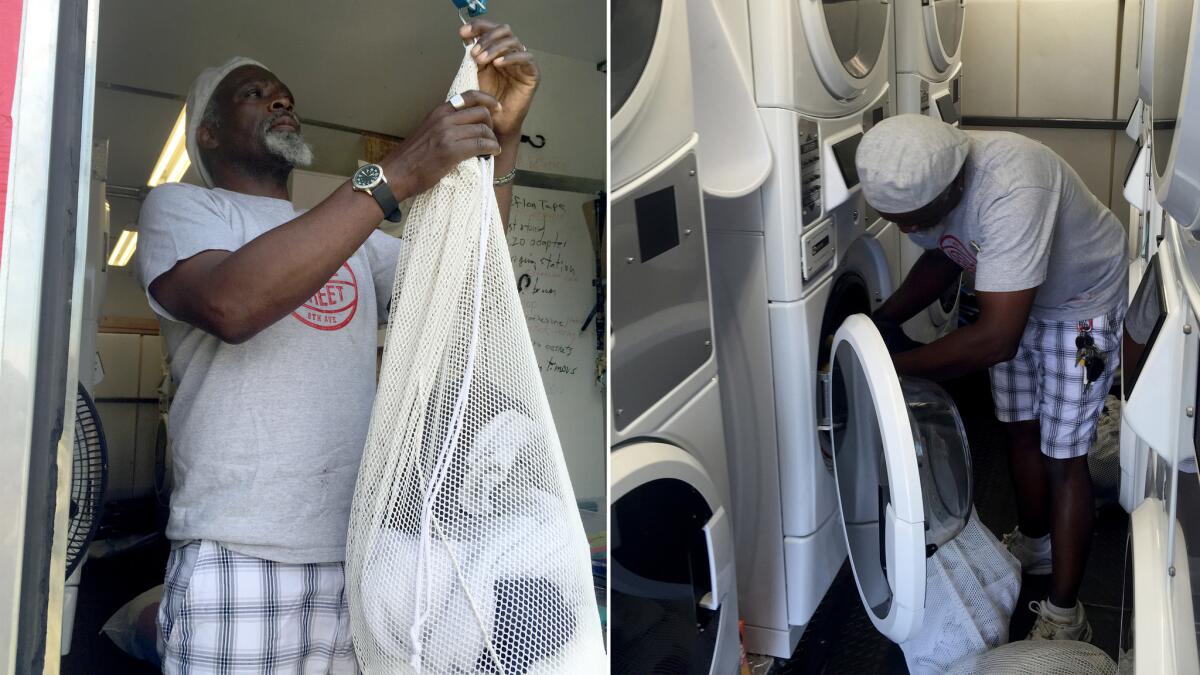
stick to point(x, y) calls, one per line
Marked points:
point(971, 588)
point(466, 552)
point(1038, 657)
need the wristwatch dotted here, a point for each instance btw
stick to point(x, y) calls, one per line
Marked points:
point(369, 178)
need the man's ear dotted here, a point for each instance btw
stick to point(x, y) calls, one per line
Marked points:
point(205, 138)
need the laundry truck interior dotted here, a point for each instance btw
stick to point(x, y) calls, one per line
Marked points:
point(363, 77)
point(743, 119)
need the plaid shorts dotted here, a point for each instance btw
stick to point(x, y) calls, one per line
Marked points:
point(1044, 382)
point(233, 614)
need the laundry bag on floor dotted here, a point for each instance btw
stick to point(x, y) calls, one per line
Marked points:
point(466, 553)
point(971, 588)
point(1038, 657)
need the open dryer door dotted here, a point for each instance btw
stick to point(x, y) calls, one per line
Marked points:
point(903, 472)
point(672, 570)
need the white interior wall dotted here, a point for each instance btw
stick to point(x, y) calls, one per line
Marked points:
point(126, 399)
point(1058, 58)
point(989, 80)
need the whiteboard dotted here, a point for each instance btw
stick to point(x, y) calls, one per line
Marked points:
point(554, 264)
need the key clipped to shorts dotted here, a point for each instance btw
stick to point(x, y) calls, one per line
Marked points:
point(1088, 356)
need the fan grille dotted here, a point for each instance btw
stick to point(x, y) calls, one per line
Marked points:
point(89, 476)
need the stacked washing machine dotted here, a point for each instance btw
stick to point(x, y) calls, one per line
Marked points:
point(925, 77)
point(1162, 354)
point(674, 602)
point(1145, 232)
point(792, 263)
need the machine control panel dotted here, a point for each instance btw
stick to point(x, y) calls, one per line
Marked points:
point(818, 248)
point(810, 172)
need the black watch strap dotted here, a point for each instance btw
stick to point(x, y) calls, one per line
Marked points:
point(387, 201)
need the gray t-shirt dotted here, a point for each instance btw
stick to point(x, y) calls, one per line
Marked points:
point(1026, 221)
point(267, 434)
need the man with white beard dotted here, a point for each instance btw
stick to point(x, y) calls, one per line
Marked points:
point(269, 315)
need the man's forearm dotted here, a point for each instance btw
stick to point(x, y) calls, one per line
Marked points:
point(277, 271)
point(966, 350)
point(926, 281)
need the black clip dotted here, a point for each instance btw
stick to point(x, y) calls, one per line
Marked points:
point(541, 140)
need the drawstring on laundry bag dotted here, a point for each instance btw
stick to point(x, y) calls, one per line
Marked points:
point(465, 550)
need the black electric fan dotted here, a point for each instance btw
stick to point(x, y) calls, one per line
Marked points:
point(89, 476)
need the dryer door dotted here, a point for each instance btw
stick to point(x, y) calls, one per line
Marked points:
point(637, 24)
point(903, 472)
point(672, 571)
point(846, 38)
point(1175, 107)
point(943, 30)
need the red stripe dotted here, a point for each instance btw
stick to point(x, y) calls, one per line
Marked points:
point(10, 38)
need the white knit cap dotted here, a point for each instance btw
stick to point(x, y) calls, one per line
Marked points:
point(907, 160)
point(202, 90)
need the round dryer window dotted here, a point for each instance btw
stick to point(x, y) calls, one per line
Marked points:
point(857, 28)
point(949, 23)
point(634, 25)
point(1173, 27)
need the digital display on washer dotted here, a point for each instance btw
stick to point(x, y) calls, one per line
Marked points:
point(948, 110)
point(843, 152)
point(657, 223)
point(1143, 322)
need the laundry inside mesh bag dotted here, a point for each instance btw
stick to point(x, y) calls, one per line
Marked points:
point(1038, 657)
point(1104, 457)
point(971, 588)
point(465, 552)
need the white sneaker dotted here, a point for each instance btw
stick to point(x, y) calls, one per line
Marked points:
point(1051, 627)
point(1033, 554)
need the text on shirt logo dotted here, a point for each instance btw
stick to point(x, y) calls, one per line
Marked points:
point(332, 307)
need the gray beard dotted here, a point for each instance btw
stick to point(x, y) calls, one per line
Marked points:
point(289, 146)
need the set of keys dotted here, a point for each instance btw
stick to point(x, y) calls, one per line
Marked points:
point(1088, 357)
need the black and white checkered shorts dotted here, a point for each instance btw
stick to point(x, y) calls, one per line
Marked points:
point(1044, 382)
point(233, 614)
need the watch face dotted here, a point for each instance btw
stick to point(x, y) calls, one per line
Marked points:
point(367, 176)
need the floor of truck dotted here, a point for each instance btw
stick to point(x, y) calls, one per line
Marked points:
point(840, 637)
point(106, 585)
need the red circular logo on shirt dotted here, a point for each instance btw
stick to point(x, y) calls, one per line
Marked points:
point(955, 250)
point(332, 307)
